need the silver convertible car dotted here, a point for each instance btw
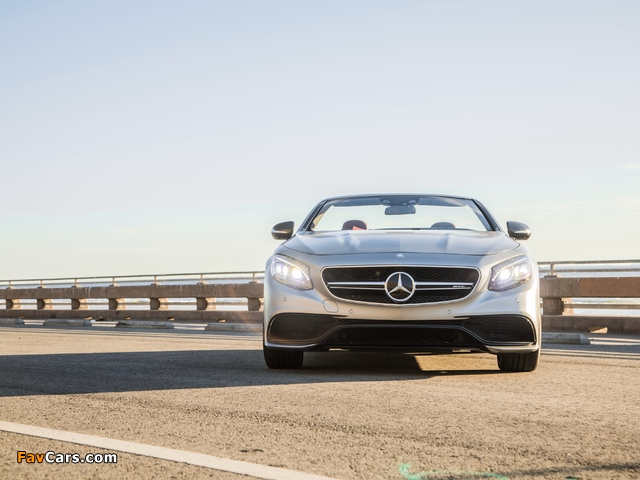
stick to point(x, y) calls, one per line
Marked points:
point(412, 273)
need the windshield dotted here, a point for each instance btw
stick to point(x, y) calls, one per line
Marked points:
point(400, 212)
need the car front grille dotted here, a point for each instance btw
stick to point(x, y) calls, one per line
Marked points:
point(432, 284)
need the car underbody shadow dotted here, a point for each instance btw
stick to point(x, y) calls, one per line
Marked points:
point(418, 366)
point(80, 373)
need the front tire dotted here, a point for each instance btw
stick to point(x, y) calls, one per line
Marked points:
point(275, 358)
point(518, 362)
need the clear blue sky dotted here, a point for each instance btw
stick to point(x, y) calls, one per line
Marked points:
point(165, 137)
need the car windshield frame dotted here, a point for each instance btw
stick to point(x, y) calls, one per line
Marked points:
point(390, 200)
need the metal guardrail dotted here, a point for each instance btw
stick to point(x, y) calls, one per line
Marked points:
point(116, 280)
point(589, 266)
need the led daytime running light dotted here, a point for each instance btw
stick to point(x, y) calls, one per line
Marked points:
point(291, 272)
point(510, 273)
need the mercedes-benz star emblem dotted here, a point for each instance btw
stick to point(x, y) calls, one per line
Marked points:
point(400, 287)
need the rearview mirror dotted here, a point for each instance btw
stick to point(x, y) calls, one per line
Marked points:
point(282, 231)
point(518, 231)
point(400, 210)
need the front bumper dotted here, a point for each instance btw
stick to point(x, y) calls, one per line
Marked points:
point(322, 332)
point(488, 321)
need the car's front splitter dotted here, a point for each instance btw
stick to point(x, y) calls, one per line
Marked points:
point(494, 333)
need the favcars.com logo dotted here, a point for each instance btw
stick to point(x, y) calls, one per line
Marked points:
point(53, 457)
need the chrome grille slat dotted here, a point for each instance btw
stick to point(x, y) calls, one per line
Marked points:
point(443, 288)
point(357, 288)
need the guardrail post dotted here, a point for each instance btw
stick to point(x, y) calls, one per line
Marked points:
point(555, 305)
point(253, 304)
point(44, 303)
point(79, 304)
point(159, 303)
point(205, 303)
point(552, 306)
point(13, 304)
point(117, 304)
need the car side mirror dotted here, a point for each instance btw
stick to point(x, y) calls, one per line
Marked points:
point(282, 231)
point(518, 231)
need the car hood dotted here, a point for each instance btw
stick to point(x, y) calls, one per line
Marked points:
point(463, 242)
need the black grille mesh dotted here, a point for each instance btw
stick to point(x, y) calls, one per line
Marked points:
point(401, 337)
point(501, 328)
point(419, 274)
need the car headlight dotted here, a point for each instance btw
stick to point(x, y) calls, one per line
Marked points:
point(510, 273)
point(291, 272)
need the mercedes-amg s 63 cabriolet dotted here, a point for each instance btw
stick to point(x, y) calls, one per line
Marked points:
point(409, 272)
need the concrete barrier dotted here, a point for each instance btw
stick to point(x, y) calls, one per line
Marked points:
point(565, 338)
point(204, 298)
point(192, 316)
point(233, 327)
point(140, 324)
point(590, 323)
point(11, 321)
point(60, 322)
point(555, 292)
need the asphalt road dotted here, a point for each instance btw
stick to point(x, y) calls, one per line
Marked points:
point(345, 416)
